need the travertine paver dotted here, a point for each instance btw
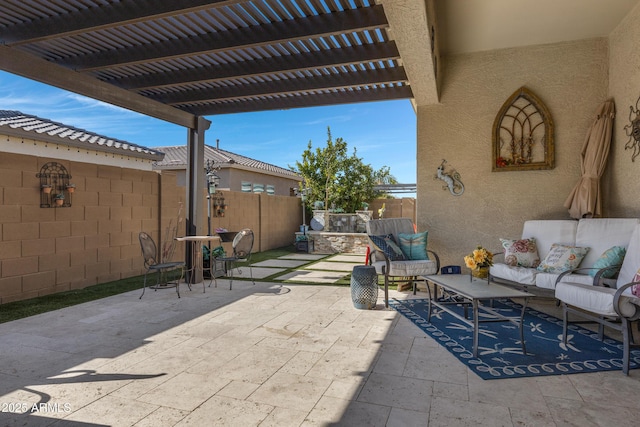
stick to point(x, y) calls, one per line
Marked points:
point(332, 266)
point(303, 256)
point(355, 258)
point(310, 276)
point(284, 263)
point(257, 272)
point(272, 355)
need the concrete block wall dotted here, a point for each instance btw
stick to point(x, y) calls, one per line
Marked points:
point(48, 250)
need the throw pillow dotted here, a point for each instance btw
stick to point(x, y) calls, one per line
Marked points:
point(381, 244)
point(414, 246)
point(562, 258)
point(521, 253)
point(611, 257)
point(398, 255)
point(635, 289)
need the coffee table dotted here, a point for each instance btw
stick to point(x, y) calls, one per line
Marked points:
point(473, 292)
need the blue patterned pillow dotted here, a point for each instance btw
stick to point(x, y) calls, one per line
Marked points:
point(388, 246)
point(610, 257)
point(414, 246)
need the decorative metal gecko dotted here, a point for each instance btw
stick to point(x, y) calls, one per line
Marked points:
point(452, 180)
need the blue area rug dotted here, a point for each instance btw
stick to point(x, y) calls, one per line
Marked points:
point(499, 351)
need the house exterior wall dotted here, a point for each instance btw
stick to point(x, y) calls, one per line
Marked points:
point(620, 182)
point(49, 250)
point(282, 184)
point(232, 178)
point(570, 78)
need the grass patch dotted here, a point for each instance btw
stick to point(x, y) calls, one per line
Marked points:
point(31, 307)
point(20, 309)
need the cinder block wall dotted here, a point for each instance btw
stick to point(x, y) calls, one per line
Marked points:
point(48, 250)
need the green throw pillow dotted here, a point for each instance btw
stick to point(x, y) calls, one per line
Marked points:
point(414, 246)
point(610, 257)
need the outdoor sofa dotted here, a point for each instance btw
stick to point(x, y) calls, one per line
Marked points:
point(548, 248)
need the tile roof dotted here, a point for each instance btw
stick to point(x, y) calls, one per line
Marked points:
point(176, 158)
point(23, 125)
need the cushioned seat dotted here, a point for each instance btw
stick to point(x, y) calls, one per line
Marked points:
point(408, 268)
point(613, 307)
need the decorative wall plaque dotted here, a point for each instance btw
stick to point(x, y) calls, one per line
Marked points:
point(523, 134)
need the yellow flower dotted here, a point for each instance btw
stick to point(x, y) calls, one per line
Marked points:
point(470, 262)
point(480, 257)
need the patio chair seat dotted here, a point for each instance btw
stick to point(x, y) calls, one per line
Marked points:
point(596, 299)
point(407, 268)
point(242, 246)
point(150, 254)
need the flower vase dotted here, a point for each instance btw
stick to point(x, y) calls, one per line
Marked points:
point(480, 272)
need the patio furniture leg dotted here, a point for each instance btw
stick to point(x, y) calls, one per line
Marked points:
point(476, 326)
point(565, 321)
point(626, 336)
point(386, 291)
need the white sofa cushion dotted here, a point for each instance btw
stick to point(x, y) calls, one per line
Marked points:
point(522, 275)
point(596, 299)
point(631, 261)
point(548, 232)
point(548, 280)
point(600, 234)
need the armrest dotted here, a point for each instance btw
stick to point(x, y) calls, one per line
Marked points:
point(386, 268)
point(633, 300)
point(598, 280)
point(437, 258)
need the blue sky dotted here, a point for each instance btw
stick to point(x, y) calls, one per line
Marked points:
point(384, 133)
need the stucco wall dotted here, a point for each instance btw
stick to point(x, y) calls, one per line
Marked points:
point(621, 179)
point(570, 78)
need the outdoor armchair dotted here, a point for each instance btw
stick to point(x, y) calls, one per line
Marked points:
point(413, 259)
point(614, 307)
point(162, 269)
point(242, 247)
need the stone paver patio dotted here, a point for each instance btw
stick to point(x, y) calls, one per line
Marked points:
point(271, 355)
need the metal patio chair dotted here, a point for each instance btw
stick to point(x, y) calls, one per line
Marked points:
point(150, 254)
point(242, 246)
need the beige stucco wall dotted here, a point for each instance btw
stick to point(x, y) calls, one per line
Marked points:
point(570, 78)
point(621, 180)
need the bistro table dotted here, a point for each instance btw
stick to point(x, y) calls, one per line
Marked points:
point(195, 270)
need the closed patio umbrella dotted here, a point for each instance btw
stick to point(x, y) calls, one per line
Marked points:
point(585, 200)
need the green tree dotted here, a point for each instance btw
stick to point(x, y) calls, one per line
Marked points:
point(339, 179)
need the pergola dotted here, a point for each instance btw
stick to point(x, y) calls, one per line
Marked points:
point(182, 60)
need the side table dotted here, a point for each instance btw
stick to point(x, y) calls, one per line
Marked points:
point(364, 287)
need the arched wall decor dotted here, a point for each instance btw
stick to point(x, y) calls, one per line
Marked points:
point(523, 134)
point(55, 187)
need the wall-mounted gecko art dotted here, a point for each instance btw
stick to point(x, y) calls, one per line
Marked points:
point(452, 179)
